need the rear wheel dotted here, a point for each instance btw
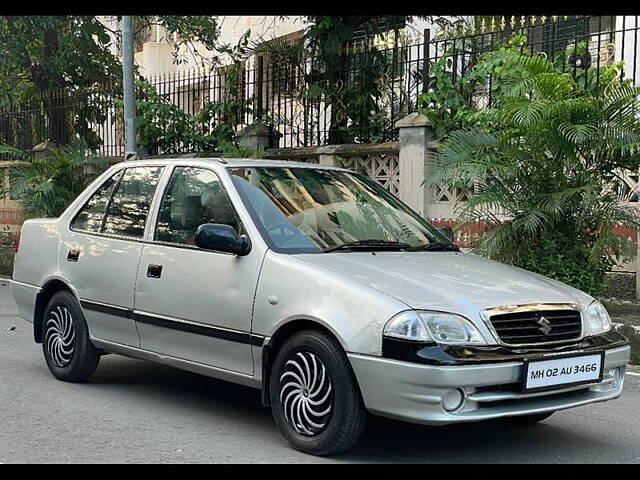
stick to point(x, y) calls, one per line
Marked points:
point(314, 396)
point(67, 349)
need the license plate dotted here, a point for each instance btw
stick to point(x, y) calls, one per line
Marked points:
point(561, 372)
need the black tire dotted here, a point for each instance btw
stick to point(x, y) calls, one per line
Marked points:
point(528, 419)
point(334, 432)
point(67, 349)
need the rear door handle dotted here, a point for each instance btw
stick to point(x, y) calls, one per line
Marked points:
point(73, 255)
point(154, 271)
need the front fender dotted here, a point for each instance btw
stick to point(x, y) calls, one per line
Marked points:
point(290, 289)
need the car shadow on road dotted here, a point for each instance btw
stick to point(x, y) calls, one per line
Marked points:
point(167, 385)
point(384, 440)
point(478, 442)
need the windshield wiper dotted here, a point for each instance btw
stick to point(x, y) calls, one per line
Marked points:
point(435, 247)
point(368, 244)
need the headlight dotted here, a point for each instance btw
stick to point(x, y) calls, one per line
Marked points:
point(424, 326)
point(598, 318)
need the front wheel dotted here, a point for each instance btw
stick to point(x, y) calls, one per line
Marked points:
point(315, 399)
point(67, 349)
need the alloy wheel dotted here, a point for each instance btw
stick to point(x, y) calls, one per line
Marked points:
point(306, 393)
point(60, 336)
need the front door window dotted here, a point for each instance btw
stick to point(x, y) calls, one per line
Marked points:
point(194, 196)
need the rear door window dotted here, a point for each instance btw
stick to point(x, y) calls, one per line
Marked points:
point(89, 218)
point(129, 206)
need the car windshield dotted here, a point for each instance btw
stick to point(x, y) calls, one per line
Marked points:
point(317, 210)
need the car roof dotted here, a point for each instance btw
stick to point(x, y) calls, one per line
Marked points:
point(231, 163)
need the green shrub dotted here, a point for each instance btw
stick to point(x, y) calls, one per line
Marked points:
point(559, 256)
point(44, 187)
point(544, 165)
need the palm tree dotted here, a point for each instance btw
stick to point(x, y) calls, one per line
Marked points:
point(545, 165)
point(44, 187)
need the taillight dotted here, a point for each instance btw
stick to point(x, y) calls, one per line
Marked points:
point(18, 241)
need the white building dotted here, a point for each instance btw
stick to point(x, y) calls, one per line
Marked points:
point(188, 80)
point(155, 52)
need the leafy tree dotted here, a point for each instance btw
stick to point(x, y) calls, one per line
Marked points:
point(344, 74)
point(163, 127)
point(448, 104)
point(545, 164)
point(327, 39)
point(40, 55)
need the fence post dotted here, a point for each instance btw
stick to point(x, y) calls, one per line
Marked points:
point(259, 80)
point(425, 64)
point(327, 156)
point(257, 136)
point(330, 160)
point(415, 161)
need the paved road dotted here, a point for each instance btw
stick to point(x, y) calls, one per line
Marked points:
point(136, 411)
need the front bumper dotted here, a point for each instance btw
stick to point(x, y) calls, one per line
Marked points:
point(415, 392)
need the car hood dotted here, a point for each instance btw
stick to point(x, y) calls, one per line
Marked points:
point(446, 281)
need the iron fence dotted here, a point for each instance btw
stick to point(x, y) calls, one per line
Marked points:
point(580, 45)
point(379, 80)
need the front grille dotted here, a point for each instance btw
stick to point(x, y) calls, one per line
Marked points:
point(533, 327)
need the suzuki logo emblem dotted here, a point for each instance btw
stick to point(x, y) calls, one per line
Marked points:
point(544, 325)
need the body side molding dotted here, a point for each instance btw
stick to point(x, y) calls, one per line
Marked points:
point(176, 323)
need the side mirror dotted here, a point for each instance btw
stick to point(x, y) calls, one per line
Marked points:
point(222, 238)
point(447, 232)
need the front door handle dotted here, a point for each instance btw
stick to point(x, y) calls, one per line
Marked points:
point(154, 271)
point(73, 255)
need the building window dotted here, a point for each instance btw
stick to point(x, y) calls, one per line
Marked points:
point(283, 73)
